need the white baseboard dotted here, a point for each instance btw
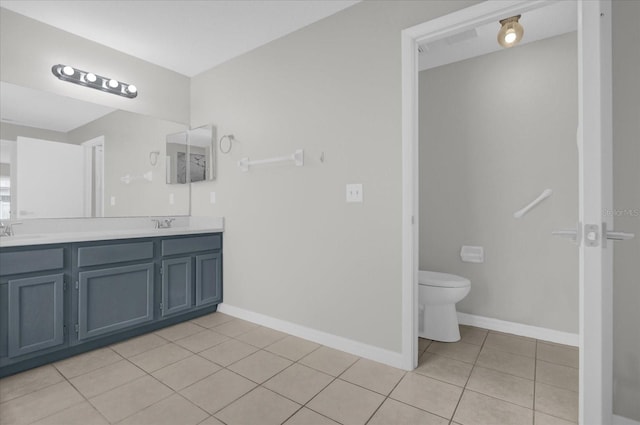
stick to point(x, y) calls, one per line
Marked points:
point(544, 334)
point(360, 349)
point(621, 420)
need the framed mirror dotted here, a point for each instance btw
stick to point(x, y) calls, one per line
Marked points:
point(191, 156)
point(63, 158)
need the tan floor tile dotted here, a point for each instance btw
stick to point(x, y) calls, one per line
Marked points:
point(179, 331)
point(211, 420)
point(160, 357)
point(544, 419)
point(556, 402)
point(480, 409)
point(293, 348)
point(134, 346)
point(234, 327)
point(39, 404)
point(373, 376)
point(423, 344)
point(506, 362)
point(444, 369)
point(130, 398)
point(260, 366)
point(185, 372)
point(455, 350)
point(86, 362)
point(106, 378)
point(228, 352)
point(472, 335)
point(346, 403)
point(212, 320)
point(503, 386)
point(557, 375)
point(26, 382)
point(299, 383)
point(79, 414)
point(329, 361)
point(306, 416)
point(202, 341)
point(261, 336)
point(260, 406)
point(218, 390)
point(170, 411)
point(396, 413)
point(560, 354)
point(511, 344)
point(427, 394)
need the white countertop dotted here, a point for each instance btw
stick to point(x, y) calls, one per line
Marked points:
point(114, 230)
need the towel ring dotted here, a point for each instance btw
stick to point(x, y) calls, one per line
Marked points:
point(230, 140)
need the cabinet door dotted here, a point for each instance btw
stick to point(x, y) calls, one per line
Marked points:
point(114, 298)
point(176, 285)
point(35, 314)
point(208, 279)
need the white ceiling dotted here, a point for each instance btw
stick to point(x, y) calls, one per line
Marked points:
point(556, 19)
point(186, 36)
point(190, 37)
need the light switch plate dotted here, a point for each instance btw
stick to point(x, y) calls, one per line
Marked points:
point(172, 199)
point(354, 192)
point(212, 197)
point(113, 200)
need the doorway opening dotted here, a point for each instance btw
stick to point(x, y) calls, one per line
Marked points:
point(594, 145)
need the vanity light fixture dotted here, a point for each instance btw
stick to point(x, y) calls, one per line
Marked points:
point(89, 79)
point(510, 32)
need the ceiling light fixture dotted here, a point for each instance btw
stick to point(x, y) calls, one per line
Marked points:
point(89, 79)
point(510, 32)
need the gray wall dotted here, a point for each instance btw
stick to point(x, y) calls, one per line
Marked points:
point(294, 249)
point(626, 200)
point(28, 50)
point(495, 131)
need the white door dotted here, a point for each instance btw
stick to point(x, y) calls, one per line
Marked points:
point(50, 179)
point(596, 197)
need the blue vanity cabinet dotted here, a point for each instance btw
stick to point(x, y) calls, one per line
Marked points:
point(60, 300)
point(115, 286)
point(32, 313)
point(192, 273)
point(208, 279)
point(176, 285)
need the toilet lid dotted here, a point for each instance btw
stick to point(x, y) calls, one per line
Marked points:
point(444, 280)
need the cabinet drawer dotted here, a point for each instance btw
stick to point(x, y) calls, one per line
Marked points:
point(31, 261)
point(188, 245)
point(118, 253)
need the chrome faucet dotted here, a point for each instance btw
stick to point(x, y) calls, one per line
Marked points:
point(6, 228)
point(162, 224)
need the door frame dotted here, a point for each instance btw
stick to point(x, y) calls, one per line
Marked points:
point(594, 131)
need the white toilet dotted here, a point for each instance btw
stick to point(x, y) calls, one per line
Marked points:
point(438, 294)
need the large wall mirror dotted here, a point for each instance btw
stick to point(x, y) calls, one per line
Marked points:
point(61, 157)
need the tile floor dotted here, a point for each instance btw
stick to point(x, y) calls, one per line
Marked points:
point(220, 370)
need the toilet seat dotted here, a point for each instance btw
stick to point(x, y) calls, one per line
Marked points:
point(442, 280)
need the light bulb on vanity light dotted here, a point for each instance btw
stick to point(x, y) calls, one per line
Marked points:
point(91, 77)
point(67, 70)
point(132, 89)
point(511, 31)
point(113, 83)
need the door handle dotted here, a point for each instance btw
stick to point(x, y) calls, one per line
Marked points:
point(615, 236)
point(574, 234)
